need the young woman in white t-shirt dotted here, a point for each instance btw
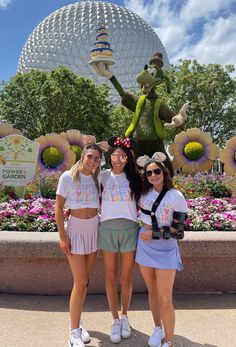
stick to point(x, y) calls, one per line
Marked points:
point(118, 230)
point(157, 249)
point(78, 190)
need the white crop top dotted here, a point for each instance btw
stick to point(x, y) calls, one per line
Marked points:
point(116, 198)
point(172, 201)
point(78, 195)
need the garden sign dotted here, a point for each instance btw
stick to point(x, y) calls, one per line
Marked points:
point(18, 157)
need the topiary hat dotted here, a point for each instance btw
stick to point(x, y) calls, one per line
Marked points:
point(156, 59)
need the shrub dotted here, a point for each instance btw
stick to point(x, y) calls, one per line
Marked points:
point(217, 186)
point(7, 193)
point(44, 185)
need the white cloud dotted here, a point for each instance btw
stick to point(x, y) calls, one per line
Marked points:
point(4, 3)
point(193, 29)
point(218, 42)
point(194, 10)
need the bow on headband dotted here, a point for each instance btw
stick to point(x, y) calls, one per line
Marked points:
point(117, 141)
point(159, 157)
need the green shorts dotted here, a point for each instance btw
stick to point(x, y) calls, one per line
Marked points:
point(118, 235)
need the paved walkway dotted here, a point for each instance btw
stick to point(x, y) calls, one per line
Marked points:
point(202, 320)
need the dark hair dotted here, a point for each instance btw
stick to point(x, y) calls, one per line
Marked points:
point(168, 183)
point(131, 171)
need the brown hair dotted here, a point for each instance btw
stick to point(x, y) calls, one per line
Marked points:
point(76, 168)
point(168, 183)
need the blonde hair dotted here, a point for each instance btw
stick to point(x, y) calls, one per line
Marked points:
point(76, 168)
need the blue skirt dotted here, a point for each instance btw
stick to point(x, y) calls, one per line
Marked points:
point(158, 254)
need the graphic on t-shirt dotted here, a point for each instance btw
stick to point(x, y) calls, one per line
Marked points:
point(86, 192)
point(114, 192)
point(163, 212)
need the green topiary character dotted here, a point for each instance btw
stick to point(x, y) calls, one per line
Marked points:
point(151, 115)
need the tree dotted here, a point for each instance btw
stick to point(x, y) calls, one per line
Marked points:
point(211, 92)
point(40, 102)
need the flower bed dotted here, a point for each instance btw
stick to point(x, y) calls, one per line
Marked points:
point(205, 213)
point(28, 215)
point(211, 200)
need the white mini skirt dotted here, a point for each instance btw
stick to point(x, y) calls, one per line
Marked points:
point(83, 234)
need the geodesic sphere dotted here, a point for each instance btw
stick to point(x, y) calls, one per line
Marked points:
point(66, 36)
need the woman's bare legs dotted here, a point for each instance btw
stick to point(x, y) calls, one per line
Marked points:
point(149, 277)
point(126, 280)
point(81, 266)
point(126, 269)
point(110, 266)
point(164, 284)
point(90, 260)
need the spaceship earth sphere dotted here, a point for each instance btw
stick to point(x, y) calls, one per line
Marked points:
point(65, 38)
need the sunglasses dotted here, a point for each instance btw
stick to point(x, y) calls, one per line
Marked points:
point(91, 157)
point(155, 171)
point(122, 158)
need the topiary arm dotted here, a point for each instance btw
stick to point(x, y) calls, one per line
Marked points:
point(117, 85)
point(166, 113)
point(128, 100)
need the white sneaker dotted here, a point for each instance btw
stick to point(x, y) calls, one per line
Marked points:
point(156, 337)
point(125, 327)
point(167, 344)
point(84, 334)
point(115, 335)
point(75, 339)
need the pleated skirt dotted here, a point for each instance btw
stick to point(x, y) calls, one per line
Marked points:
point(83, 234)
point(158, 254)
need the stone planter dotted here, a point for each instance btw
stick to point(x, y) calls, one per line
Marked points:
point(32, 263)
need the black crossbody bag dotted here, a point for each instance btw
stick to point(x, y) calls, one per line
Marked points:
point(156, 230)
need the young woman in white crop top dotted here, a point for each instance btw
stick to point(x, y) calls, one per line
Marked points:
point(121, 189)
point(157, 249)
point(78, 189)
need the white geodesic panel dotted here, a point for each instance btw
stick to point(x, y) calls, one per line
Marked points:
point(65, 38)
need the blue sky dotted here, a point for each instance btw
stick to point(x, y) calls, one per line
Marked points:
point(201, 29)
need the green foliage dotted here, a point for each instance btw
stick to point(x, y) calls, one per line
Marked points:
point(44, 185)
point(7, 193)
point(217, 189)
point(216, 186)
point(40, 102)
point(120, 119)
point(211, 91)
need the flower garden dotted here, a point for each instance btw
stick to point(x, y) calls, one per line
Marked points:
point(211, 200)
point(211, 197)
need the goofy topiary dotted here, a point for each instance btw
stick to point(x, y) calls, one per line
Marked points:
point(151, 115)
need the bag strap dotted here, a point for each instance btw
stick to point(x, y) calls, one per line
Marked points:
point(155, 206)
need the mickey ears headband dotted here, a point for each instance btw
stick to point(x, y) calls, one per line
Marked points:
point(158, 157)
point(118, 141)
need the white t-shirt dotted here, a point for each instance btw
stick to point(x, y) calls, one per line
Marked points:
point(78, 195)
point(116, 198)
point(172, 201)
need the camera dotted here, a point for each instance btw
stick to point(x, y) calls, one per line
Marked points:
point(156, 234)
point(166, 233)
